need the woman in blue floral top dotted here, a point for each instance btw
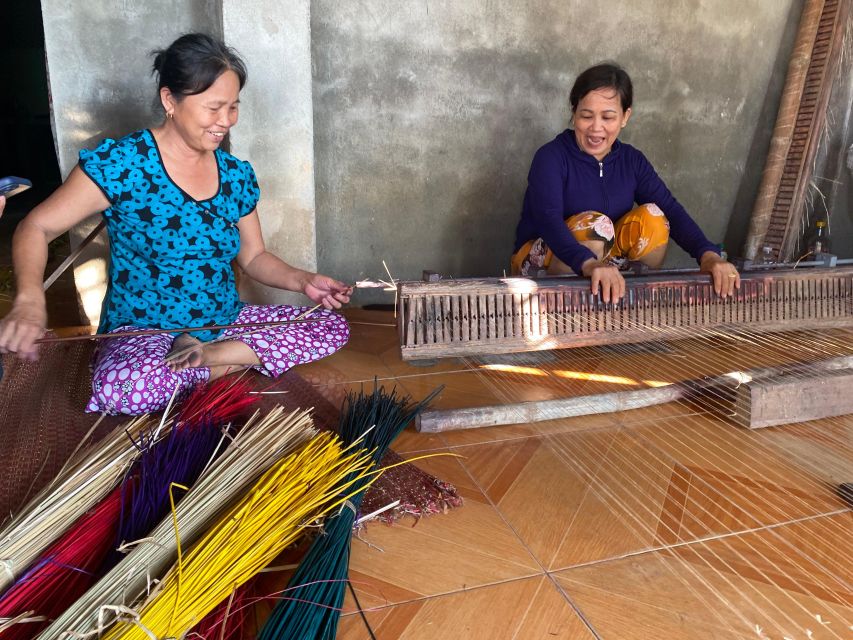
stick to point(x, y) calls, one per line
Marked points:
point(179, 210)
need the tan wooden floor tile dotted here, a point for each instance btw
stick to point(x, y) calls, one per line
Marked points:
point(546, 494)
point(822, 449)
point(785, 582)
point(733, 471)
point(461, 389)
point(528, 609)
point(580, 497)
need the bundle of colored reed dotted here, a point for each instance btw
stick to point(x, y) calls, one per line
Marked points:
point(65, 571)
point(292, 495)
point(253, 450)
point(227, 621)
point(217, 403)
point(313, 599)
point(84, 481)
point(202, 425)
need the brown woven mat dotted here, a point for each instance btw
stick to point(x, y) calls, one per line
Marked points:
point(42, 422)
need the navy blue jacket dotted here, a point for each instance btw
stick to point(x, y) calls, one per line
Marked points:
point(564, 181)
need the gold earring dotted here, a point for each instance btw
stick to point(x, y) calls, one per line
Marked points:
point(170, 116)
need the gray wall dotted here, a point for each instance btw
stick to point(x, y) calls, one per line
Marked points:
point(99, 73)
point(427, 115)
point(100, 68)
point(276, 128)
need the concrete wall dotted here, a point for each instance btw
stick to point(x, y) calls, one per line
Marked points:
point(99, 70)
point(427, 115)
point(276, 132)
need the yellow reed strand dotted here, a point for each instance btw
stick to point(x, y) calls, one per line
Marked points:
point(293, 494)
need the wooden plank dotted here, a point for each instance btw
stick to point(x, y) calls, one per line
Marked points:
point(446, 318)
point(483, 317)
point(538, 411)
point(508, 315)
point(794, 398)
point(499, 316)
point(491, 317)
point(429, 319)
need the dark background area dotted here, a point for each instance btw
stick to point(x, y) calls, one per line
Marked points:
point(26, 141)
point(27, 150)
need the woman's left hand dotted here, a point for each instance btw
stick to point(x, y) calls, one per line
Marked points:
point(327, 291)
point(724, 274)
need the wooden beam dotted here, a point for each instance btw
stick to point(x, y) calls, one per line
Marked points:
point(541, 410)
point(725, 385)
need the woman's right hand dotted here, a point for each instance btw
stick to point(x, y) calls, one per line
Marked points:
point(606, 277)
point(24, 325)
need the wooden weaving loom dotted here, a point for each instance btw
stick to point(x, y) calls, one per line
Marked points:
point(472, 317)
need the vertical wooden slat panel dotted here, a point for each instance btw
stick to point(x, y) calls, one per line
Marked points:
point(465, 319)
point(483, 316)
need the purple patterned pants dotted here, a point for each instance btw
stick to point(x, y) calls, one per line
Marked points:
point(130, 375)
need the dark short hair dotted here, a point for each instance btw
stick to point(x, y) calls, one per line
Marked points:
point(193, 62)
point(603, 76)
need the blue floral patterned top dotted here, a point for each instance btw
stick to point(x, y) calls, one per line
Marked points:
point(170, 255)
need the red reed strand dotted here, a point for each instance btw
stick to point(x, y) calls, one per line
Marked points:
point(64, 572)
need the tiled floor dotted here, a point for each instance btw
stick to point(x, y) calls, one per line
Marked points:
point(664, 522)
point(656, 523)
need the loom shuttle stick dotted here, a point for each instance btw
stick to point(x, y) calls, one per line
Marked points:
point(151, 332)
point(437, 421)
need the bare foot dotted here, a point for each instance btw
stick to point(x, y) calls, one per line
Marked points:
point(186, 352)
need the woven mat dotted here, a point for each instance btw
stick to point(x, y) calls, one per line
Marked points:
point(42, 422)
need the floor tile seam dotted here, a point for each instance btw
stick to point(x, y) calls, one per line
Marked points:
point(712, 492)
point(505, 520)
point(575, 606)
point(468, 549)
point(656, 607)
point(497, 475)
point(589, 489)
point(548, 582)
point(451, 592)
point(698, 541)
point(491, 504)
point(526, 613)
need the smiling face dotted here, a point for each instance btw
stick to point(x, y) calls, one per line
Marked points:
point(598, 119)
point(203, 120)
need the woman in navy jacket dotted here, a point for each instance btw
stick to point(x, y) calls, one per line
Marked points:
point(579, 210)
